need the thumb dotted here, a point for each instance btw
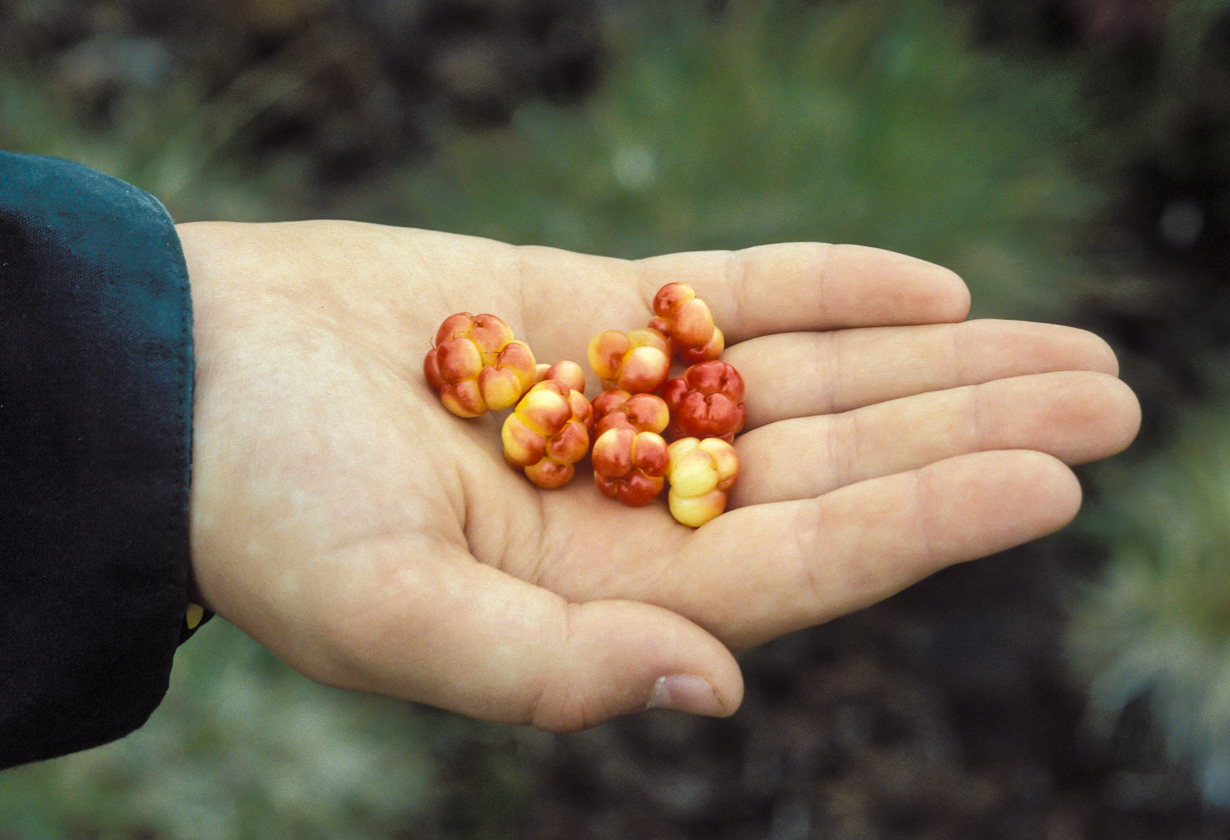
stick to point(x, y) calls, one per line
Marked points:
point(443, 629)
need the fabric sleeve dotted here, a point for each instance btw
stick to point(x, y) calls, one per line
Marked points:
point(96, 372)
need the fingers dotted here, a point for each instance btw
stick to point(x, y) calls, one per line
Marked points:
point(810, 286)
point(451, 632)
point(801, 374)
point(757, 291)
point(763, 571)
point(1075, 416)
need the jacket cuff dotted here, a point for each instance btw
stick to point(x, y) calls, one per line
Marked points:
point(96, 372)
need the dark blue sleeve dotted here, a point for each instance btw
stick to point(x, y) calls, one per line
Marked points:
point(96, 372)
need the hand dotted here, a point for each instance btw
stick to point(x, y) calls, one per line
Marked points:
point(374, 541)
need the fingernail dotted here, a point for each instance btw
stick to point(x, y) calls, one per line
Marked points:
point(685, 693)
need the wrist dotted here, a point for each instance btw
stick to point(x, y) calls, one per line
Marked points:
point(196, 255)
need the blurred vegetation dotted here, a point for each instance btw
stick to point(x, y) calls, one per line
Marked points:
point(338, 87)
point(1070, 158)
point(1155, 76)
point(1151, 637)
point(863, 122)
point(242, 747)
point(177, 149)
point(1155, 630)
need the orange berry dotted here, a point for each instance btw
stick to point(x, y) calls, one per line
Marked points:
point(700, 474)
point(686, 320)
point(630, 465)
point(639, 412)
point(548, 432)
point(637, 362)
point(569, 373)
point(707, 401)
point(477, 365)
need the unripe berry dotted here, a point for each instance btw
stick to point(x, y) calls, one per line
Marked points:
point(630, 465)
point(701, 472)
point(477, 366)
point(569, 373)
point(548, 432)
point(639, 412)
point(707, 401)
point(686, 320)
point(637, 362)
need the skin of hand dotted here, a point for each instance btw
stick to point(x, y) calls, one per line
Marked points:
point(375, 542)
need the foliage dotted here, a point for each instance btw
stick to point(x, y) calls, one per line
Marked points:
point(1153, 633)
point(242, 748)
point(380, 77)
point(1156, 627)
point(861, 122)
point(177, 147)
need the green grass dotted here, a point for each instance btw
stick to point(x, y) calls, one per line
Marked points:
point(871, 122)
point(1156, 627)
point(186, 148)
point(242, 748)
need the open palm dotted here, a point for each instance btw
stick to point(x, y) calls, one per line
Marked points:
point(343, 518)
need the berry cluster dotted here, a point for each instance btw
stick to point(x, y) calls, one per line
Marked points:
point(477, 365)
